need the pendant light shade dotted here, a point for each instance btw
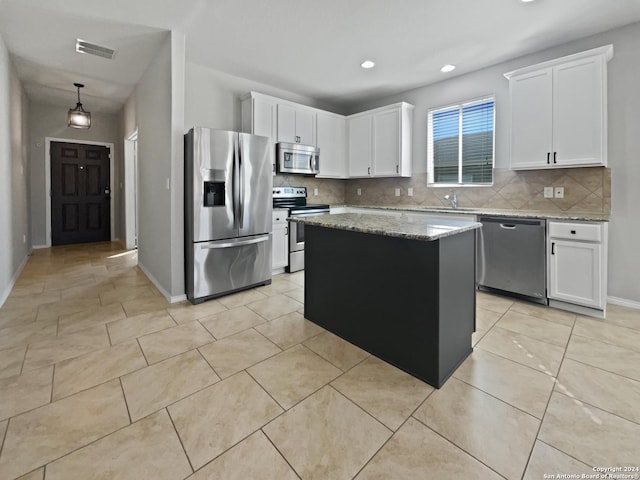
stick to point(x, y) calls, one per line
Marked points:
point(77, 117)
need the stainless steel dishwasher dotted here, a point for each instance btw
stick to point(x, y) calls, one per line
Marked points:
point(511, 256)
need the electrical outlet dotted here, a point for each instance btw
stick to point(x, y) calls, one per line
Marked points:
point(397, 192)
point(410, 192)
point(548, 192)
point(24, 239)
point(559, 192)
point(168, 184)
point(359, 191)
point(315, 192)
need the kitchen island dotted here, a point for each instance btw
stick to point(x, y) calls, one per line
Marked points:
point(402, 289)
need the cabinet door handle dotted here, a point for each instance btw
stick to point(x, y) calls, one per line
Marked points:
point(548, 156)
point(554, 157)
point(397, 168)
point(286, 231)
point(368, 170)
point(553, 248)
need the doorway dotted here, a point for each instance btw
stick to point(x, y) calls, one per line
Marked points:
point(131, 190)
point(75, 217)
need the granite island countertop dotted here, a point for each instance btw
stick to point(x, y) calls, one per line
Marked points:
point(569, 216)
point(426, 229)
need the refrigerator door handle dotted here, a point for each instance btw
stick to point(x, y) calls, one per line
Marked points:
point(240, 243)
point(241, 185)
point(235, 183)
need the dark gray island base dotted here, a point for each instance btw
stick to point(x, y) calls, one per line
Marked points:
point(409, 301)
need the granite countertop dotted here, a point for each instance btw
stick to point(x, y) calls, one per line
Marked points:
point(427, 229)
point(577, 216)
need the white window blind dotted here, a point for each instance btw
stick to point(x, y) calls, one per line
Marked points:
point(461, 143)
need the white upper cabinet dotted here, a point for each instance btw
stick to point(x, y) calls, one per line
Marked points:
point(380, 142)
point(296, 124)
point(559, 112)
point(331, 139)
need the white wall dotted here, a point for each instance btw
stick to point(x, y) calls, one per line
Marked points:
point(624, 136)
point(212, 98)
point(157, 107)
point(15, 237)
point(51, 121)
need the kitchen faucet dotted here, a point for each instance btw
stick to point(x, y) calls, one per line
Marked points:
point(452, 199)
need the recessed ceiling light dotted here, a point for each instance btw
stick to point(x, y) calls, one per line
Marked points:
point(527, 1)
point(368, 64)
point(448, 68)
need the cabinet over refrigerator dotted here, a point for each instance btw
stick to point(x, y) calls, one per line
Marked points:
point(228, 182)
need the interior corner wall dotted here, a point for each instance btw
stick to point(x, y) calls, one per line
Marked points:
point(15, 237)
point(623, 139)
point(51, 121)
point(153, 105)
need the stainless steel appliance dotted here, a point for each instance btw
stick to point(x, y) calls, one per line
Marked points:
point(295, 199)
point(296, 158)
point(511, 256)
point(228, 183)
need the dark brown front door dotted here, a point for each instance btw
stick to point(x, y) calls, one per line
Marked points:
point(80, 193)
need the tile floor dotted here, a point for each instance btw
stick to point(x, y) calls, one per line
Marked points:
point(101, 378)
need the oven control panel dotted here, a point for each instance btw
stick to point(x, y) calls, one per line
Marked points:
point(289, 192)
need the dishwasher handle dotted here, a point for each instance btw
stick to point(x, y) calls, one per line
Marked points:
point(508, 226)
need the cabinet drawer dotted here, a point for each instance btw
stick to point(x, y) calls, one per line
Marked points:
point(590, 232)
point(280, 215)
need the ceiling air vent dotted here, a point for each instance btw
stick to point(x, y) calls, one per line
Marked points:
point(93, 49)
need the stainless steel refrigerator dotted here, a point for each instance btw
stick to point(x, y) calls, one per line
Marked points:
point(228, 183)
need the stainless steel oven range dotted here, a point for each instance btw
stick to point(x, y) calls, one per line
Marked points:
point(295, 199)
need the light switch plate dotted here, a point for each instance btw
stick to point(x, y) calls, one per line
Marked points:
point(359, 191)
point(315, 192)
point(397, 192)
point(410, 192)
point(548, 192)
point(559, 192)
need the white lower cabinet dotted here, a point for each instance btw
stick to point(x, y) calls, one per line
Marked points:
point(280, 242)
point(577, 263)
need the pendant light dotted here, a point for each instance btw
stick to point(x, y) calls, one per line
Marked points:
point(77, 117)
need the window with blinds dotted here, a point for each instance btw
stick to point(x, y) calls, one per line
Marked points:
point(461, 143)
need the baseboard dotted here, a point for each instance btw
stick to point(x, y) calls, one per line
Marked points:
point(38, 247)
point(623, 302)
point(579, 309)
point(170, 298)
point(14, 279)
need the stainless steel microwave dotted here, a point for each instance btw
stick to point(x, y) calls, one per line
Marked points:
point(296, 158)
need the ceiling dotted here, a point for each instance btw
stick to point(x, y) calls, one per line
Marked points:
point(312, 48)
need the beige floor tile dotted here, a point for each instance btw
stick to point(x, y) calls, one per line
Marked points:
point(237, 352)
point(11, 360)
point(494, 303)
point(608, 333)
point(231, 321)
point(14, 316)
point(88, 291)
point(297, 294)
point(595, 387)
point(275, 306)
point(545, 313)
point(35, 475)
point(339, 352)
point(3, 429)
point(550, 461)
point(142, 305)
point(18, 335)
point(266, 463)
point(218, 417)
point(51, 311)
point(69, 280)
point(589, 434)
point(289, 330)
point(139, 280)
point(119, 295)
point(133, 327)
point(164, 383)
point(533, 327)
point(57, 349)
point(495, 433)
point(85, 371)
point(485, 319)
point(477, 336)
point(172, 341)
point(605, 356)
point(241, 298)
point(293, 375)
point(185, 312)
point(21, 393)
point(40, 436)
point(623, 316)
point(416, 452)
point(76, 322)
point(296, 277)
point(344, 439)
point(279, 284)
point(519, 386)
point(542, 356)
point(148, 449)
point(387, 393)
point(27, 290)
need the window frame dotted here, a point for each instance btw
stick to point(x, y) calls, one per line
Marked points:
point(430, 150)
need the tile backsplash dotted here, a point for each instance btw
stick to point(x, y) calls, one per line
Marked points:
point(586, 190)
